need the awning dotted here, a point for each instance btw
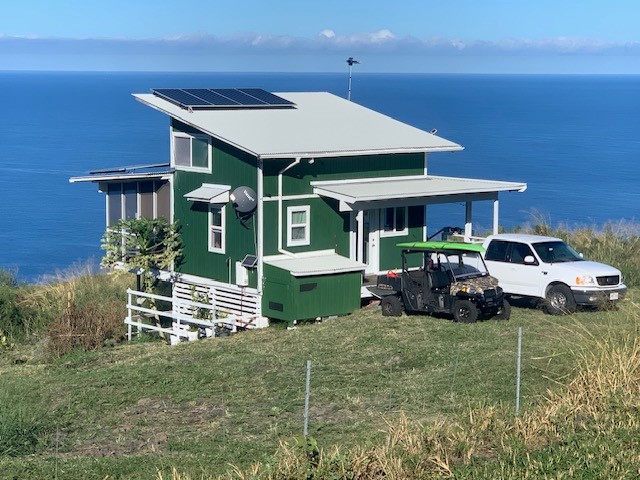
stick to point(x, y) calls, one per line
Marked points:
point(323, 262)
point(360, 193)
point(209, 193)
point(123, 174)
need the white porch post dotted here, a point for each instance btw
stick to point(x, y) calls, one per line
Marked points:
point(496, 211)
point(425, 231)
point(360, 242)
point(468, 225)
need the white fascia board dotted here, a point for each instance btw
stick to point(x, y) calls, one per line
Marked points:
point(107, 178)
point(351, 153)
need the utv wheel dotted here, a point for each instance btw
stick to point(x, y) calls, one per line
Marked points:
point(391, 306)
point(464, 311)
point(559, 300)
point(505, 312)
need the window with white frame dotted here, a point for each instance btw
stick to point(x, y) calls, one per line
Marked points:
point(216, 228)
point(191, 152)
point(394, 222)
point(298, 226)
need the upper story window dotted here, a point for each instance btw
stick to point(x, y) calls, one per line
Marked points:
point(394, 222)
point(191, 152)
point(298, 226)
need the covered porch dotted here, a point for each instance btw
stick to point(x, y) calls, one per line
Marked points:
point(380, 208)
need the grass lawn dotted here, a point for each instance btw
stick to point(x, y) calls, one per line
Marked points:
point(129, 411)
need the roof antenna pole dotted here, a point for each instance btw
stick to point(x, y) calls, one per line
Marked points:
point(351, 62)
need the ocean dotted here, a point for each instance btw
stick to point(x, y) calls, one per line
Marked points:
point(573, 139)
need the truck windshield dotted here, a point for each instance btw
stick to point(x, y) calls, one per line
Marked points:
point(556, 252)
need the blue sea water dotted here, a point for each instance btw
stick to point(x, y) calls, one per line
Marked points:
point(573, 139)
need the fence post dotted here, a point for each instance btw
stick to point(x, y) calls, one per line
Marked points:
point(129, 313)
point(519, 364)
point(306, 400)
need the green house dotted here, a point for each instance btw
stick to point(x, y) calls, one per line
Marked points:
point(289, 203)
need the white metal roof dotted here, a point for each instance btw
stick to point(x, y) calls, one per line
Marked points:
point(209, 193)
point(321, 125)
point(393, 188)
point(322, 262)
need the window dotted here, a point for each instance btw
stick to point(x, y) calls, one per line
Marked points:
point(394, 222)
point(150, 199)
point(191, 152)
point(298, 222)
point(497, 251)
point(216, 229)
point(519, 251)
point(556, 252)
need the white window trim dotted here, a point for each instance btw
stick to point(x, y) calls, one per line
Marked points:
point(299, 242)
point(222, 228)
point(394, 233)
point(191, 168)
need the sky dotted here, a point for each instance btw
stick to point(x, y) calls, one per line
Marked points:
point(401, 36)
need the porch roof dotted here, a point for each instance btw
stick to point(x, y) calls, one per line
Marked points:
point(323, 262)
point(209, 193)
point(410, 187)
point(320, 125)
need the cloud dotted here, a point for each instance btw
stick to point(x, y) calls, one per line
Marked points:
point(382, 41)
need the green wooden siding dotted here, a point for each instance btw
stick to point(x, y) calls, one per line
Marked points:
point(329, 229)
point(291, 298)
point(296, 181)
point(230, 166)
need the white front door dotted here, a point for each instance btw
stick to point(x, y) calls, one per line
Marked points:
point(367, 239)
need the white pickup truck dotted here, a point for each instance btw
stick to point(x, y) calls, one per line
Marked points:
point(549, 269)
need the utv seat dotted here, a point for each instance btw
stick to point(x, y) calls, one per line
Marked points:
point(439, 280)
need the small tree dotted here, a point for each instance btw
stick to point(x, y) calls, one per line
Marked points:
point(143, 245)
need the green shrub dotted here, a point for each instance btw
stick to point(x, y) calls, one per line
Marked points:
point(11, 317)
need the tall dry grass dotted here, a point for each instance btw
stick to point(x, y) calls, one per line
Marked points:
point(76, 309)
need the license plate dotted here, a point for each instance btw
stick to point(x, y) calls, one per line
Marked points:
point(613, 296)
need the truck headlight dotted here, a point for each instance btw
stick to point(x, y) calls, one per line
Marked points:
point(585, 280)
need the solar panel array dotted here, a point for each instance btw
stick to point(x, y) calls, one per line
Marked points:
point(215, 98)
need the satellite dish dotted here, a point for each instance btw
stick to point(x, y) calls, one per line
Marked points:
point(244, 200)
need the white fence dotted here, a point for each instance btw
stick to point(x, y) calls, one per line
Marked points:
point(189, 319)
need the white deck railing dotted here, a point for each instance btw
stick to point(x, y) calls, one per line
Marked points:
point(182, 315)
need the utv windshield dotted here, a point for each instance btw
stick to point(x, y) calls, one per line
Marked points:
point(556, 252)
point(463, 264)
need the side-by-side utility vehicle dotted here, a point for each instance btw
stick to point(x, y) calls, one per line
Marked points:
point(548, 269)
point(442, 277)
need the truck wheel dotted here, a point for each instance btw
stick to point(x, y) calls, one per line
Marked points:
point(465, 311)
point(391, 306)
point(559, 300)
point(505, 312)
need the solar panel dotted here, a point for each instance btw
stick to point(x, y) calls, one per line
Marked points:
point(180, 97)
point(215, 98)
point(249, 261)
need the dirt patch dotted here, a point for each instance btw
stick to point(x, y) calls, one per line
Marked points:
point(148, 426)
